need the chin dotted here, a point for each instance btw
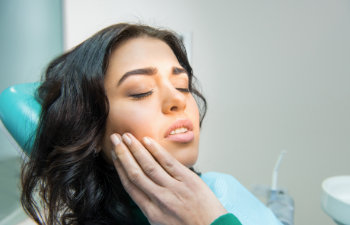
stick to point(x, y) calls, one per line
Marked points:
point(187, 160)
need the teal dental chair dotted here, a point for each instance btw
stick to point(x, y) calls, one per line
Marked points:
point(19, 115)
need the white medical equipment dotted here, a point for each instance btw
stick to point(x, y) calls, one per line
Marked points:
point(335, 198)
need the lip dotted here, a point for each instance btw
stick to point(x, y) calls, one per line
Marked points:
point(183, 137)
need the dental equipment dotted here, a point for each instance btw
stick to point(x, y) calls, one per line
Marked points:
point(281, 204)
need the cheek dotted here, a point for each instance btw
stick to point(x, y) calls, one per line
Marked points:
point(193, 111)
point(133, 119)
point(139, 119)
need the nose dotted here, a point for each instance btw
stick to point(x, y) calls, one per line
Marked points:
point(173, 100)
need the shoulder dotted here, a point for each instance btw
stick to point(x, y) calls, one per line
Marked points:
point(230, 192)
point(213, 176)
point(220, 183)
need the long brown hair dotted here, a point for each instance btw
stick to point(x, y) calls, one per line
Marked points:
point(74, 184)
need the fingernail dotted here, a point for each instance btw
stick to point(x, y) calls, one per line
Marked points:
point(147, 140)
point(114, 156)
point(127, 139)
point(115, 139)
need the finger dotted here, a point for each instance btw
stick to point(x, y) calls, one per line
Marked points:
point(132, 170)
point(146, 161)
point(139, 197)
point(166, 160)
point(148, 206)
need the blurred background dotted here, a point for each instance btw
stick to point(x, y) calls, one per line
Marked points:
point(276, 75)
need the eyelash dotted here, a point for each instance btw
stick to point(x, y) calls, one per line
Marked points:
point(186, 90)
point(146, 94)
point(141, 95)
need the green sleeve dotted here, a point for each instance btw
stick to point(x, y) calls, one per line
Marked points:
point(226, 219)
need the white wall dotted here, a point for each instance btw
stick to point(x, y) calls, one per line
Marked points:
point(276, 75)
point(31, 35)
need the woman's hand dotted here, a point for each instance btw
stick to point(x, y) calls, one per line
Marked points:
point(166, 191)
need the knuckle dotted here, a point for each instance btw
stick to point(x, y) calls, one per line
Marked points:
point(127, 185)
point(134, 176)
point(169, 165)
point(150, 170)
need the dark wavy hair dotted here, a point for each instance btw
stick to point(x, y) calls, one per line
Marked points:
point(65, 181)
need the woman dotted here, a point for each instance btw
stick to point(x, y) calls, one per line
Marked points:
point(118, 135)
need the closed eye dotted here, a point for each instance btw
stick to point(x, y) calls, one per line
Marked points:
point(146, 94)
point(141, 95)
point(186, 90)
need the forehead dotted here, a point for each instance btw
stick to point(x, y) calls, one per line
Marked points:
point(141, 52)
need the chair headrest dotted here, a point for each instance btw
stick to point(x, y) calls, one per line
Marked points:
point(20, 112)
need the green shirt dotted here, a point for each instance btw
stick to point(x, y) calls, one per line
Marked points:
point(227, 219)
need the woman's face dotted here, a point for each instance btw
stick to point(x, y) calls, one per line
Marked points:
point(147, 89)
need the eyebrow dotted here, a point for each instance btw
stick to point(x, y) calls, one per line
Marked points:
point(148, 71)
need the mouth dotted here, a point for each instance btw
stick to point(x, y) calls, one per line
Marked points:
point(180, 131)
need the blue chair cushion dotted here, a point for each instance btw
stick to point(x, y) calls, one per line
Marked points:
point(20, 112)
